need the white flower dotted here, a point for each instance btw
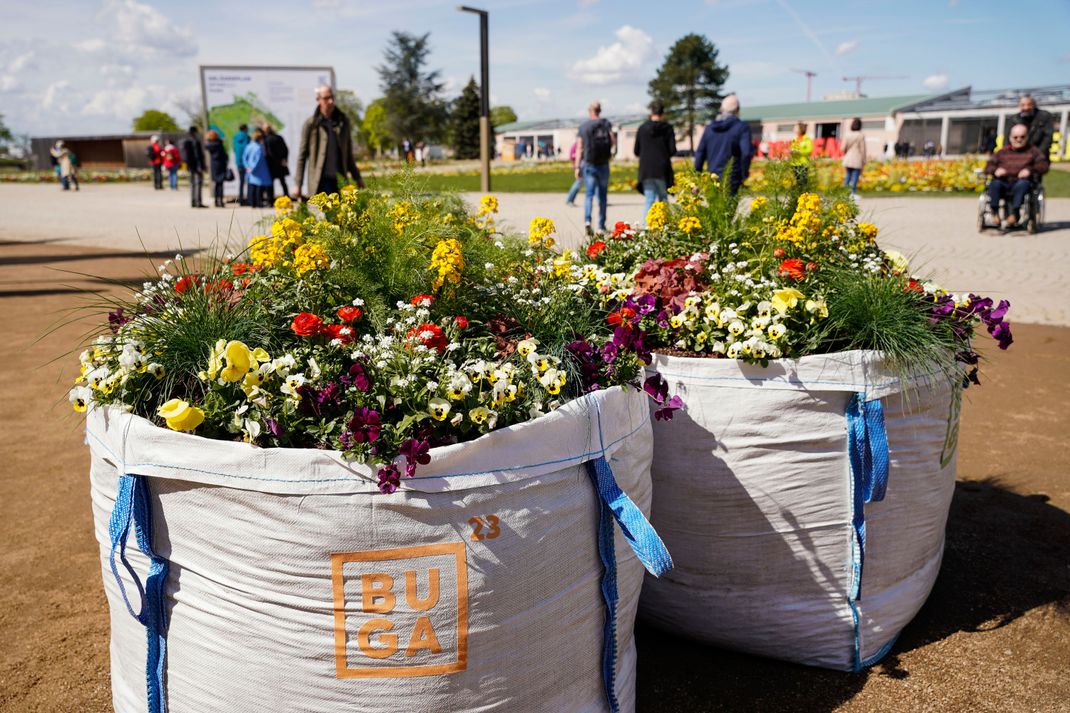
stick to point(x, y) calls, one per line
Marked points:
point(358, 302)
point(282, 365)
point(292, 384)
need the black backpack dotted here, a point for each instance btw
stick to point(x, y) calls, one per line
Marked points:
point(600, 147)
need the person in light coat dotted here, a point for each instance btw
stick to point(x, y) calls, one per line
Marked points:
point(256, 167)
point(854, 155)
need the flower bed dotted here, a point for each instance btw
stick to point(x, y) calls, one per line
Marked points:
point(898, 176)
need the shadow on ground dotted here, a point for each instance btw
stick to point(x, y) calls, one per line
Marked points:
point(1006, 554)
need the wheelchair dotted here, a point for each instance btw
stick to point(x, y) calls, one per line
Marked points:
point(1032, 212)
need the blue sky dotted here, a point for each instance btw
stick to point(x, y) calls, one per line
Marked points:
point(90, 66)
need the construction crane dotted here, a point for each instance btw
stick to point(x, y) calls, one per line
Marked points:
point(859, 79)
point(810, 74)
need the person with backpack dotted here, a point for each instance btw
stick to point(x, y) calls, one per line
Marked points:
point(594, 149)
point(155, 154)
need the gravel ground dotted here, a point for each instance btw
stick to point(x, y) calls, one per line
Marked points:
point(994, 635)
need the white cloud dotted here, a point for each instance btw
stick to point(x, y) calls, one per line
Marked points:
point(147, 29)
point(55, 96)
point(541, 93)
point(935, 82)
point(124, 103)
point(845, 47)
point(617, 62)
point(22, 62)
point(8, 83)
point(93, 44)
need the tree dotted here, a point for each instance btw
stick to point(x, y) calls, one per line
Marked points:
point(155, 120)
point(375, 127)
point(464, 122)
point(5, 133)
point(412, 96)
point(689, 83)
point(353, 107)
point(502, 115)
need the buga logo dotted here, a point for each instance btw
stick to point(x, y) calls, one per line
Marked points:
point(401, 612)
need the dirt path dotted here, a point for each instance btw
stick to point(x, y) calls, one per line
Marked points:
point(995, 635)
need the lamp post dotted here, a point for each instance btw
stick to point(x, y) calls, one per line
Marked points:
point(484, 99)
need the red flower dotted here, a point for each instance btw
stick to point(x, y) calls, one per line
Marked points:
point(620, 228)
point(342, 332)
point(811, 266)
point(218, 286)
point(461, 322)
point(914, 286)
point(422, 300)
point(431, 336)
point(779, 252)
point(306, 325)
point(184, 283)
point(240, 268)
point(595, 248)
point(793, 268)
point(349, 313)
point(624, 316)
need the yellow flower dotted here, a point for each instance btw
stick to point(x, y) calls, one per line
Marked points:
point(439, 409)
point(79, 397)
point(215, 361)
point(818, 308)
point(868, 231)
point(310, 256)
point(448, 260)
point(539, 230)
point(689, 224)
point(776, 331)
point(657, 216)
point(283, 205)
point(786, 299)
point(562, 264)
point(487, 205)
point(180, 416)
point(239, 361)
point(758, 203)
point(479, 414)
point(897, 260)
point(526, 346)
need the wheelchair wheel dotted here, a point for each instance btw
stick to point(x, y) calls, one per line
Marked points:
point(982, 214)
point(1031, 224)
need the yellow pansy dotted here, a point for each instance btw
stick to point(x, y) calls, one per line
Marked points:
point(786, 299)
point(180, 416)
point(439, 409)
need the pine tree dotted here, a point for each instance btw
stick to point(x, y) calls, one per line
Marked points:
point(689, 83)
point(464, 122)
point(412, 96)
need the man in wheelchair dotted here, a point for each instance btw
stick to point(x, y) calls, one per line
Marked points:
point(1015, 170)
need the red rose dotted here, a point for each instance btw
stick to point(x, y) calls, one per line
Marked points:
point(342, 332)
point(306, 325)
point(793, 268)
point(461, 322)
point(779, 252)
point(422, 300)
point(595, 248)
point(184, 283)
point(349, 313)
point(431, 336)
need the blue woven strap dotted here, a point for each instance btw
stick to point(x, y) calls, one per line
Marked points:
point(132, 506)
point(615, 505)
point(867, 445)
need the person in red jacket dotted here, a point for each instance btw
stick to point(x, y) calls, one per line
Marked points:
point(172, 161)
point(1014, 168)
point(155, 152)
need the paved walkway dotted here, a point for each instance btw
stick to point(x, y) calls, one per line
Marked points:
point(938, 234)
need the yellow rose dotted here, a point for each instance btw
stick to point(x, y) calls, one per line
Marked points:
point(180, 416)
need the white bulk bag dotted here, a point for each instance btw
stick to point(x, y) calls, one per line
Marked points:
point(282, 580)
point(783, 546)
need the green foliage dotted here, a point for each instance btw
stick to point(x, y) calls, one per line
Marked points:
point(5, 133)
point(502, 115)
point(155, 120)
point(689, 82)
point(412, 95)
point(464, 122)
point(353, 107)
point(375, 127)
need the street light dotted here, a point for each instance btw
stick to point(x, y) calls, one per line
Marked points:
point(484, 99)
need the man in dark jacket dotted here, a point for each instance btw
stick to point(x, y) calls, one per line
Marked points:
point(726, 138)
point(326, 148)
point(1014, 168)
point(278, 154)
point(193, 155)
point(1040, 124)
point(655, 145)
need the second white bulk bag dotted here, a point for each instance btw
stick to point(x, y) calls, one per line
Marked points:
point(804, 503)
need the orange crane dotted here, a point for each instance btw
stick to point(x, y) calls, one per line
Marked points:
point(859, 79)
point(810, 74)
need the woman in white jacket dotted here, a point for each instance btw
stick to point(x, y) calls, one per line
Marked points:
point(854, 155)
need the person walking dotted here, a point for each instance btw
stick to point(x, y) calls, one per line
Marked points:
point(155, 153)
point(241, 140)
point(326, 148)
point(67, 171)
point(802, 146)
point(726, 138)
point(655, 145)
point(1040, 124)
point(278, 154)
point(217, 164)
point(172, 161)
point(854, 155)
point(570, 199)
point(193, 155)
point(594, 149)
point(256, 166)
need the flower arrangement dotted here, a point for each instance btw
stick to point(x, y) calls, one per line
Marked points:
point(897, 176)
point(380, 325)
point(797, 274)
